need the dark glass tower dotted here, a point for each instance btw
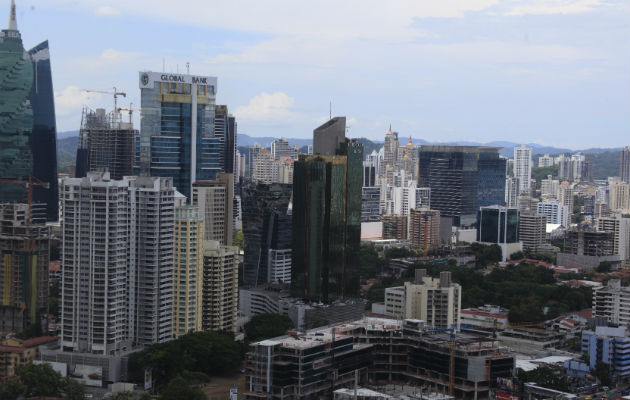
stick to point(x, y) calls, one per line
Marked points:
point(462, 179)
point(327, 216)
point(225, 131)
point(266, 226)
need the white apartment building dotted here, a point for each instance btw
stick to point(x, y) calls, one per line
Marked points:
point(621, 227)
point(265, 169)
point(555, 212)
point(545, 161)
point(523, 167)
point(216, 205)
point(550, 187)
point(435, 301)
point(117, 262)
point(279, 265)
point(613, 303)
point(220, 287)
point(280, 147)
point(511, 192)
point(619, 196)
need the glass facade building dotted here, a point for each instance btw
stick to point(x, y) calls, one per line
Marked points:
point(498, 225)
point(462, 179)
point(327, 220)
point(177, 128)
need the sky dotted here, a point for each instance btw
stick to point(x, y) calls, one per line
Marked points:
point(553, 72)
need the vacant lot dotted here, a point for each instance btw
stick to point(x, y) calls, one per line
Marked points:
point(219, 387)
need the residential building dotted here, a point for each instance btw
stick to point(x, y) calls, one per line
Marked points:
point(571, 167)
point(621, 227)
point(267, 231)
point(619, 197)
point(24, 264)
point(106, 144)
point(545, 161)
point(370, 204)
point(395, 227)
point(550, 187)
point(624, 165)
point(437, 302)
point(555, 212)
point(265, 169)
point(280, 147)
point(612, 302)
point(327, 216)
point(220, 287)
point(565, 197)
point(462, 179)
point(117, 262)
point(499, 225)
point(511, 192)
point(424, 228)
point(28, 138)
point(187, 269)
point(215, 199)
point(177, 129)
point(523, 167)
point(285, 170)
point(532, 230)
point(15, 352)
point(527, 204)
point(610, 346)
point(253, 153)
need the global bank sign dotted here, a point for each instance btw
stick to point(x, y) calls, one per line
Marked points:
point(147, 79)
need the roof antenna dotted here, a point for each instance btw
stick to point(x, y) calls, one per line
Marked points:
point(187, 68)
point(330, 111)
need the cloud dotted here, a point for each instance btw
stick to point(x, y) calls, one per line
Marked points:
point(107, 59)
point(72, 99)
point(107, 11)
point(268, 107)
point(548, 7)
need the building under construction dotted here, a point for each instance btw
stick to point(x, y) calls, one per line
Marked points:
point(24, 259)
point(374, 352)
point(106, 144)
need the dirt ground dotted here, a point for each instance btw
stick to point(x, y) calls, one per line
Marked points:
point(219, 387)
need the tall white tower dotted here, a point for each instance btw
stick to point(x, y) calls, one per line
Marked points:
point(523, 167)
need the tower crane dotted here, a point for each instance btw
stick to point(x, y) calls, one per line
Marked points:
point(116, 93)
point(32, 181)
point(129, 109)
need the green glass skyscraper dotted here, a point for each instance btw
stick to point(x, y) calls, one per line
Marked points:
point(327, 216)
point(16, 113)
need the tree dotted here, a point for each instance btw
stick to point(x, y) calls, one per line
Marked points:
point(602, 372)
point(546, 376)
point(265, 326)
point(39, 379)
point(179, 389)
point(604, 267)
point(238, 238)
point(12, 389)
point(72, 389)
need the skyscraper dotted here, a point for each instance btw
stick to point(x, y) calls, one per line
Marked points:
point(225, 132)
point(177, 138)
point(27, 119)
point(220, 287)
point(216, 205)
point(523, 167)
point(624, 165)
point(327, 216)
point(462, 179)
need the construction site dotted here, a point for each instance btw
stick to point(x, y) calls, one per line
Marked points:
point(372, 353)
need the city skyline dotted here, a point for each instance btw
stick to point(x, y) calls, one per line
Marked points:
point(544, 72)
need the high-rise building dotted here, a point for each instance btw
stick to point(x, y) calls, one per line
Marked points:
point(621, 228)
point(370, 204)
point(327, 216)
point(545, 161)
point(369, 174)
point(462, 179)
point(220, 287)
point(117, 262)
point(280, 147)
point(550, 187)
point(177, 129)
point(265, 169)
point(527, 204)
point(511, 192)
point(523, 167)
point(499, 225)
point(28, 135)
point(555, 212)
point(610, 302)
point(571, 167)
point(619, 196)
point(532, 231)
point(424, 228)
point(187, 269)
point(285, 170)
point(624, 165)
point(106, 144)
point(390, 151)
point(565, 196)
point(395, 227)
point(24, 259)
point(215, 199)
point(267, 231)
point(225, 133)
point(251, 157)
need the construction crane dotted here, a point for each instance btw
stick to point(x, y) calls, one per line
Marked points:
point(29, 188)
point(129, 109)
point(116, 93)
point(452, 346)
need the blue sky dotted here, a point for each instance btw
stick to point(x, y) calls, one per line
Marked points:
point(554, 72)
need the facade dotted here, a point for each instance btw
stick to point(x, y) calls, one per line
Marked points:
point(424, 228)
point(280, 147)
point(462, 179)
point(545, 161)
point(177, 129)
point(621, 228)
point(370, 204)
point(612, 303)
point(225, 130)
point(611, 346)
point(437, 302)
point(624, 165)
point(485, 317)
point(565, 196)
point(550, 187)
point(15, 352)
point(215, 199)
point(187, 269)
point(24, 263)
point(267, 227)
point(500, 225)
point(395, 227)
point(523, 167)
point(106, 144)
point(587, 248)
point(327, 216)
point(555, 212)
point(265, 168)
point(220, 287)
point(619, 197)
point(532, 230)
point(511, 192)
point(117, 263)
point(571, 167)
point(390, 152)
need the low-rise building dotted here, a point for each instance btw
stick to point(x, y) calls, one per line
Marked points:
point(608, 345)
point(15, 352)
point(485, 317)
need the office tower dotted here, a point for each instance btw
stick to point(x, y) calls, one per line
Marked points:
point(523, 167)
point(619, 197)
point(511, 192)
point(225, 133)
point(327, 216)
point(177, 129)
point(370, 204)
point(187, 269)
point(265, 169)
point(555, 212)
point(369, 174)
point(499, 225)
point(215, 199)
point(545, 161)
point(624, 165)
point(532, 231)
point(424, 228)
point(621, 228)
point(550, 187)
point(390, 151)
point(266, 230)
point(438, 302)
point(106, 144)
point(373, 160)
point(24, 259)
point(462, 179)
point(117, 262)
point(220, 287)
point(395, 227)
point(280, 147)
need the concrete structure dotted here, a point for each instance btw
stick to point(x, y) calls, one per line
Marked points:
point(621, 228)
point(265, 170)
point(612, 302)
point(435, 301)
point(328, 137)
point(555, 212)
point(550, 187)
point(511, 192)
point(624, 165)
point(565, 196)
point(24, 264)
point(487, 317)
point(395, 227)
point(280, 147)
point(532, 231)
point(15, 352)
point(611, 346)
point(424, 228)
point(619, 197)
point(545, 161)
point(587, 248)
point(117, 263)
point(523, 167)
point(216, 205)
point(527, 204)
point(370, 204)
point(220, 287)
